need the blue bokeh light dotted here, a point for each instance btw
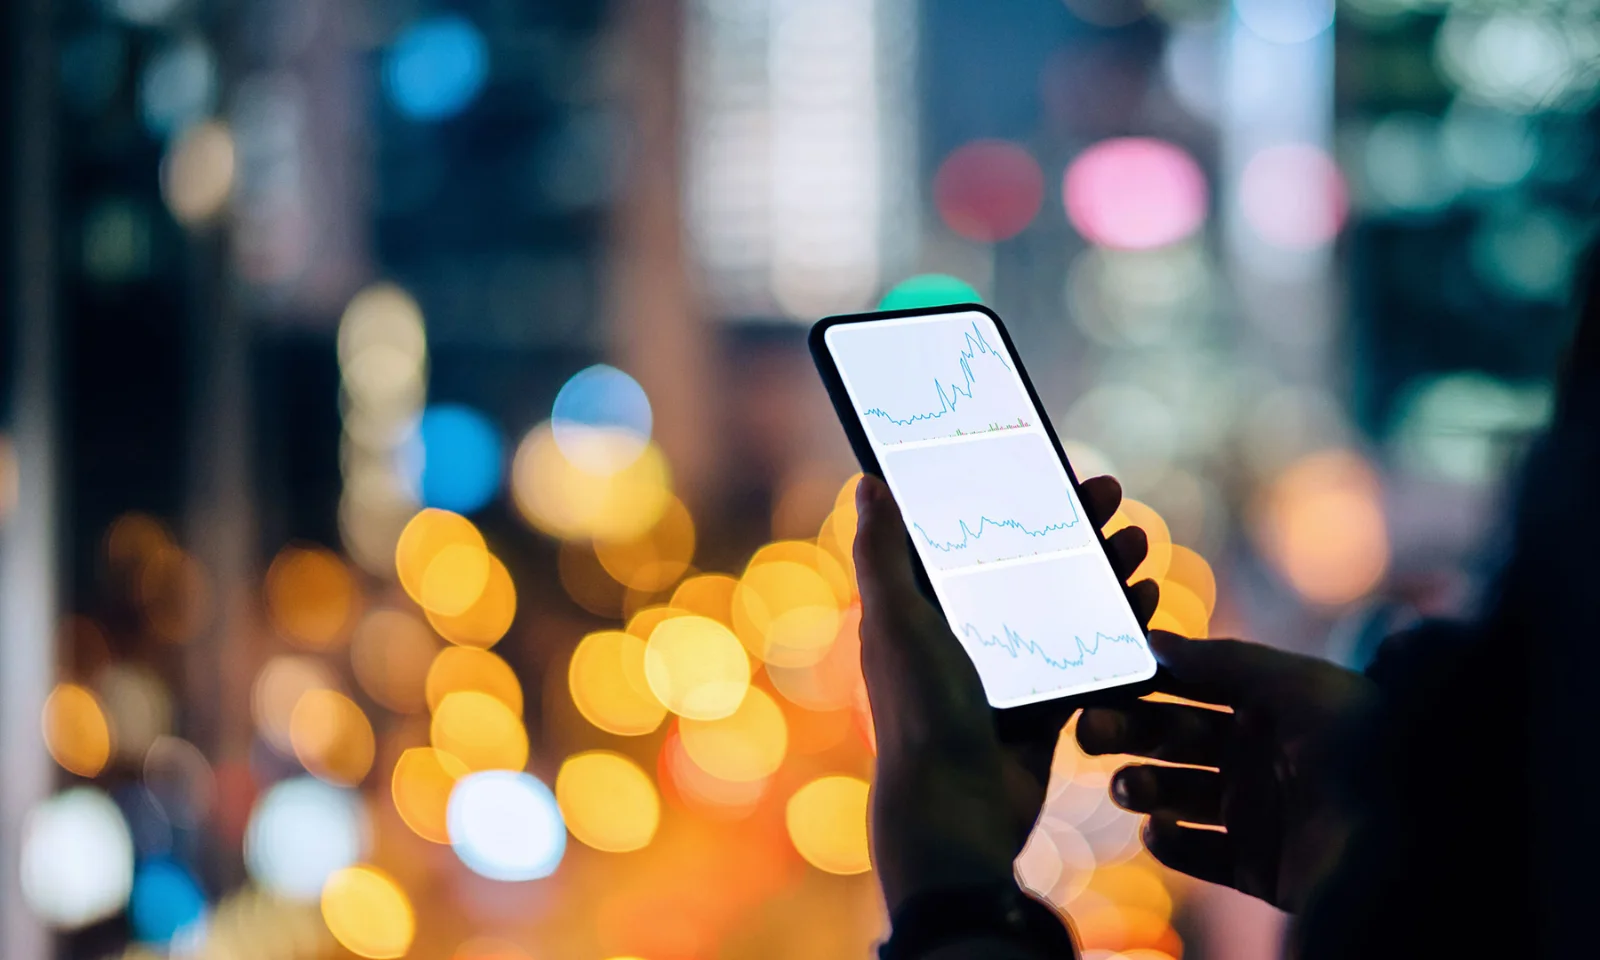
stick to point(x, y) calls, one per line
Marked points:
point(505, 825)
point(166, 901)
point(601, 401)
point(461, 457)
point(436, 67)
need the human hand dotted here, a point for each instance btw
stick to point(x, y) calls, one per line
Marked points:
point(952, 803)
point(1273, 786)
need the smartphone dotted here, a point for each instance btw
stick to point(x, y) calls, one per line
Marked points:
point(937, 403)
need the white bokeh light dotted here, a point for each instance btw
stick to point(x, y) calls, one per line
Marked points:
point(300, 832)
point(77, 859)
point(505, 825)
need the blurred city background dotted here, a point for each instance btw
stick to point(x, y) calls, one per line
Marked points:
point(424, 533)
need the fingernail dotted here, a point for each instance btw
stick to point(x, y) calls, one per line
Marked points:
point(1119, 789)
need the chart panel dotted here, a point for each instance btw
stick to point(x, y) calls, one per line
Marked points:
point(931, 378)
point(1045, 629)
point(1004, 498)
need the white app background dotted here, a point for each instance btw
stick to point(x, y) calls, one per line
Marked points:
point(989, 507)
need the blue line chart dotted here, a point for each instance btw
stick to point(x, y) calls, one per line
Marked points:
point(970, 534)
point(1016, 644)
point(950, 396)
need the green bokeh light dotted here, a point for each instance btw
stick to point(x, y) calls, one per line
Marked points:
point(929, 290)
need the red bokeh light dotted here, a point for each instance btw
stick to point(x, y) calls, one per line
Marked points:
point(988, 190)
point(1135, 193)
point(1294, 196)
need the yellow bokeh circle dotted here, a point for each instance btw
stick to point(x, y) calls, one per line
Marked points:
point(463, 668)
point(608, 801)
point(827, 821)
point(748, 744)
point(480, 731)
point(368, 913)
point(421, 785)
point(562, 499)
point(487, 618)
point(331, 737)
point(696, 667)
point(433, 535)
point(1159, 537)
point(709, 595)
point(607, 681)
point(656, 559)
point(76, 730)
point(786, 612)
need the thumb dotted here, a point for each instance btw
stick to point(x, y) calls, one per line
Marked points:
point(883, 562)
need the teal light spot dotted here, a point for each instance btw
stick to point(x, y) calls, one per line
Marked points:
point(929, 290)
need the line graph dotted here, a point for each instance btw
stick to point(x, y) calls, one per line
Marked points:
point(971, 534)
point(1048, 628)
point(1000, 500)
point(946, 376)
point(1016, 644)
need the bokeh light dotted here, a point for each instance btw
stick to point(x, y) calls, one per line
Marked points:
point(696, 667)
point(461, 458)
point(383, 347)
point(390, 654)
point(831, 682)
point(1278, 21)
point(1135, 193)
point(369, 913)
point(442, 561)
point(1322, 522)
point(506, 826)
point(76, 730)
point(606, 679)
point(565, 500)
point(465, 668)
point(166, 903)
point(311, 596)
point(1180, 611)
point(786, 612)
point(480, 730)
point(988, 190)
point(601, 420)
point(420, 787)
point(490, 948)
point(1294, 196)
point(929, 290)
point(488, 618)
point(607, 801)
point(332, 738)
point(709, 595)
point(827, 822)
point(748, 744)
point(436, 67)
point(138, 707)
point(76, 862)
point(197, 173)
point(174, 594)
point(278, 689)
point(702, 792)
point(655, 560)
point(301, 831)
point(180, 781)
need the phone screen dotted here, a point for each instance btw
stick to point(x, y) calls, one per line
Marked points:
point(990, 509)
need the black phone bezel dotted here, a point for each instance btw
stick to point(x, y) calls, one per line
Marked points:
point(1012, 722)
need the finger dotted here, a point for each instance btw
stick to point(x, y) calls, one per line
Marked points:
point(1129, 546)
point(1183, 793)
point(1101, 496)
point(883, 563)
point(1160, 731)
point(1233, 671)
point(1145, 597)
point(1202, 854)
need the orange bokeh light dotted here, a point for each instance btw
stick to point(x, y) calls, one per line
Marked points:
point(331, 737)
point(421, 784)
point(466, 668)
point(1321, 522)
point(390, 654)
point(487, 618)
point(76, 730)
point(656, 559)
point(311, 596)
point(606, 679)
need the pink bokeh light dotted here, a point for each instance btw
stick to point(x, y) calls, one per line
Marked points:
point(1294, 196)
point(1135, 193)
point(988, 190)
